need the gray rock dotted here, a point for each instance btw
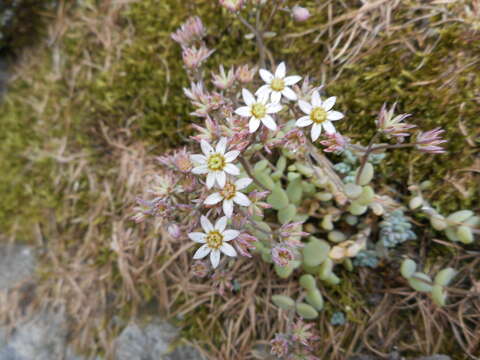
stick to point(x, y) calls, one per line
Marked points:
point(17, 263)
point(150, 342)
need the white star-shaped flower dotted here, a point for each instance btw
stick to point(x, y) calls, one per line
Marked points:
point(215, 162)
point(278, 85)
point(258, 111)
point(230, 194)
point(214, 239)
point(320, 114)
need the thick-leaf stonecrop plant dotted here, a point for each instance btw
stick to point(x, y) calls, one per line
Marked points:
point(263, 185)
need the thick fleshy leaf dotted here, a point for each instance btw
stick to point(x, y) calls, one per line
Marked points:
point(276, 96)
point(215, 258)
point(316, 100)
point(242, 183)
point(228, 207)
point(316, 131)
point(273, 108)
point(198, 237)
point(289, 94)
point(206, 224)
point(221, 146)
point(228, 250)
point(200, 170)
point(206, 147)
point(334, 115)
point(329, 128)
point(266, 76)
point(241, 199)
point(221, 178)
point(213, 199)
point(328, 104)
point(304, 121)
point(221, 224)
point(291, 80)
point(305, 106)
point(248, 97)
point(230, 235)
point(231, 155)
point(244, 111)
point(210, 180)
point(253, 124)
point(269, 122)
point(280, 71)
point(202, 251)
point(232, 169)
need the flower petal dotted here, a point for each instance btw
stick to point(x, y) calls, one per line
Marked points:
point(316, 131)
point(203, 169)
point(198, 237)
point(276, 96)
point(274, 108)
point(291, 80)
point(199, 159)
point(213, 199)
point(231, 155)
point(206, 224)
point(242, 183)
point(253, 124)
point(221, 146)
point(215, 258)
point(289, 94)
point(316, 100)
point(202, 251)
point(281, 70)
point(269, 122)
point(263, 90)
point(207, 149)
point(228, 207)
point(328, 104)
point(304, 121)
point(232, 169)
point(241, 199)
point(334, 115)
point(230, 234)
point(305, 106)
point(244, 111)
point(329, 128)
point(266, 75)
point(228, 250)
point(221, 224)
point(221, 178)
point(210, 180)
point(248, 97)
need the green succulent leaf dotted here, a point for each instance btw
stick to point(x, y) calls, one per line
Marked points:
point(283, 302)
point(306, 311)
point(278, 198)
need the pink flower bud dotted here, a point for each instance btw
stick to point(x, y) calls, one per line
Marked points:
point(282, 255)
point(174, 231)
point(300, 13)
point(232, 5)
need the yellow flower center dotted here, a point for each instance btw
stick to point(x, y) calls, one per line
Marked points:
point(318, 115)
point(216, 162)
point(277, 84)
point(259, 110)
point(229, 191)
point(214, 239)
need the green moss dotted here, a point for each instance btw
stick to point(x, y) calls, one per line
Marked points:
point(439, 88)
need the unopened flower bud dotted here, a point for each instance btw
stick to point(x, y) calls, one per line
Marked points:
point(174, 231)
point(244, 74)
point(300, 13)
point(232, 5)
point(199, 269)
